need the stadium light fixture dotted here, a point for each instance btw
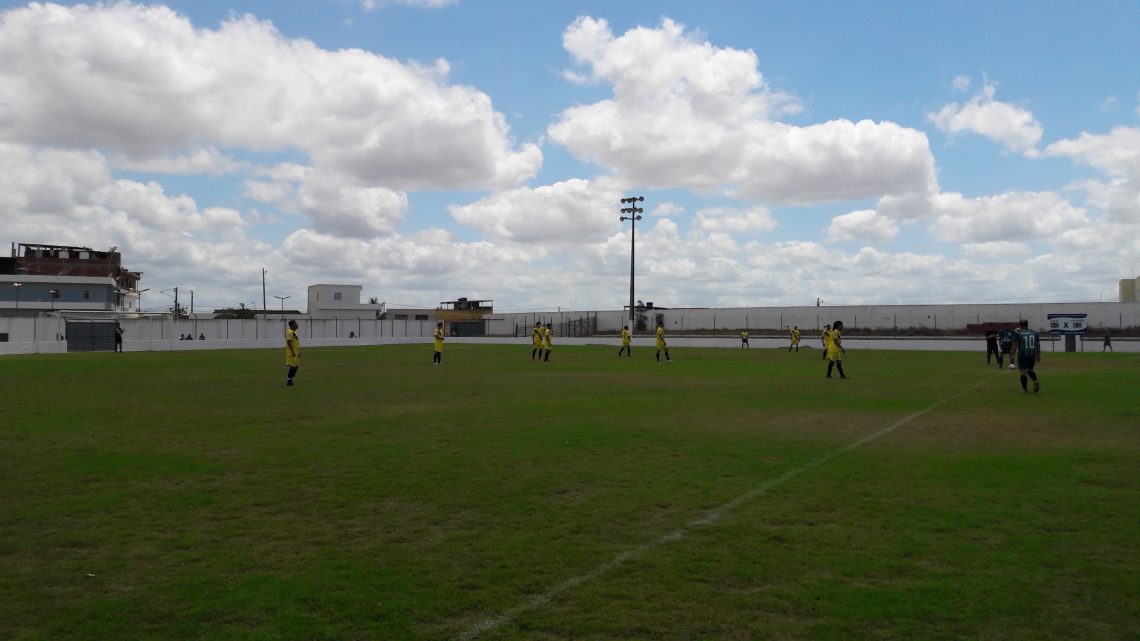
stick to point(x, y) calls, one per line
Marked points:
point(634, 215)
point(282, 299)
point(17, 286)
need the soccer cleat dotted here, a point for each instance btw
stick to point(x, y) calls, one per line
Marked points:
point(1036, 386)
point(289, 383)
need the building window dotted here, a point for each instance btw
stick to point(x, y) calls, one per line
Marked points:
point(401, 317)
point(421, 317)
point(336, 296)
point(87, 294)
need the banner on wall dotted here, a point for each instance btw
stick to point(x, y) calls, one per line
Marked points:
point(1068, 324)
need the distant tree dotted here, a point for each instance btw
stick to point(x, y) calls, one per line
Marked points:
point(239, 312)
point(642, 320)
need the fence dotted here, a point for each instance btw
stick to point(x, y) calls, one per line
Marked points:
point(565, 328)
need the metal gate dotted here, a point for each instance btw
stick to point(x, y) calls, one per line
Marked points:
point(90, 336)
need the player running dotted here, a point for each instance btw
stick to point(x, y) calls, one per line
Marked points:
point(1028, 355)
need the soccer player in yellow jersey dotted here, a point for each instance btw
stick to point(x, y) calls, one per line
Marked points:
point(292, 351)
point(835, 350)
point(825, 337)
point(625, 342)
point(744, 340)
point(661, 345)
point(437, 357)
point(547, 333)
point(795, 339)
point(536, 340)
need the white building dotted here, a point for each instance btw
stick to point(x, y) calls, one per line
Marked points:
point(29, 295)
point(341, 301)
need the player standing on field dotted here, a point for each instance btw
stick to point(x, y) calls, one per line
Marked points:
point(536, 340)
point(437, 357)
point(625, 342)
point(744, 340)
point(1006, 339)
point(661, 345)
point(547, 342)
point(992, 346)
point(795, 339)
point(825, 338)
point(1028, 355)
point(835, 349)
point(292, 351)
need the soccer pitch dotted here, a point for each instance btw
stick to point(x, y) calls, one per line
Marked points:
point(734, 494)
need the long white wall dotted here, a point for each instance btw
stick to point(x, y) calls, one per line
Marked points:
point(877, 317)
point(46, 333)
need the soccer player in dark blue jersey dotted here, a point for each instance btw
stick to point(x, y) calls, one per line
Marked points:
point(1006, 339)
point(1028, 355)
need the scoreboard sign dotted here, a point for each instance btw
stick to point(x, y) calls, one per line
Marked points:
point(1068, 324)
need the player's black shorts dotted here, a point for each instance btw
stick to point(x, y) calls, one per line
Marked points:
point(1006, 349)
point(1026, 361)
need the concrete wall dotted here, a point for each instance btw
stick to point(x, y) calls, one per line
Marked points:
point(810, 318)
point(40, 334)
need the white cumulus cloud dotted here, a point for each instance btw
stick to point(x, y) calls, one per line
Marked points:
point(863, 225)
point(685, 113)
point(142, 81)
point(1014, 128)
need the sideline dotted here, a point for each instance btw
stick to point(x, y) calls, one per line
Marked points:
point(538, 601)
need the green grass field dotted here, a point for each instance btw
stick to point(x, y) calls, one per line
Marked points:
point(732, 495)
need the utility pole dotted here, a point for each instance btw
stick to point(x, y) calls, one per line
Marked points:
point(191, 302)
point(264, 309)
point(176, 308)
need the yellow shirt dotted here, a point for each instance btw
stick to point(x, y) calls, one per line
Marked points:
point(438, 334)
point(660, 337)
point(292, 348)
point(536, 336)
point(546, 334)
point(744, 336)
point(826, 335)
point(625, 337)
point(834, 352)
point(795, 336)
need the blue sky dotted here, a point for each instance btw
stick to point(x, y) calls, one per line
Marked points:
point(856, 152)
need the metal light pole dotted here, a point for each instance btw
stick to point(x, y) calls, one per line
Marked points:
point(140, 293)
point(282, 299)
point(634, 215)
point(17, 286)
point(53, 294)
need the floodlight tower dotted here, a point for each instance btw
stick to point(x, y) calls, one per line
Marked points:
point(634, 215)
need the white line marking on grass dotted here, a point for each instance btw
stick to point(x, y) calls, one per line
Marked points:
point(537, 601)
